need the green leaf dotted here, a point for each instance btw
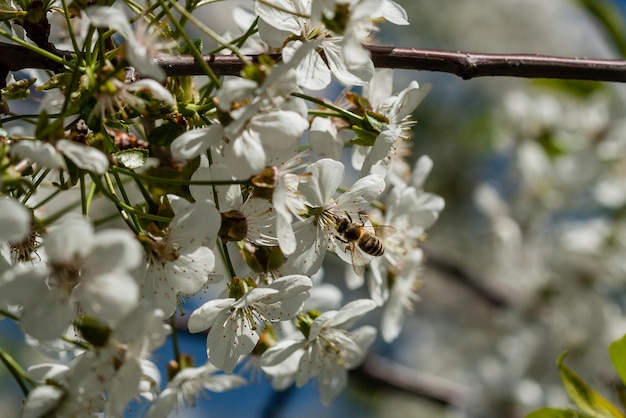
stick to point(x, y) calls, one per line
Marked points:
point(363, 136)
point(617, 352)
point(578, 88)
point(620, 390)
point(587, 399)
point(556, 413)
point(375, 120)
point(610, 19)
point(164, 134)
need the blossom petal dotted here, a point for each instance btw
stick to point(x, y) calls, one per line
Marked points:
point(326, 177)
point(312, 72)
point(203, 317)
point(280, 352)
point(42, 153)
point(361, 193)
point(42, 400)
point(393, 12)
point(284, 124)
point(15, 220)
point(288, 286)
point(72, 236)
point(356, 76)
point(116, 248)
point(196, 226)
point(409, 99)
point(222, 343)
point(351, 312)
point(46, 311)
point(85, 157)
point(245, 155)
point(193, 143)
point(108, 296)
point(190, 272)
point(109, 17)
point(331, 381)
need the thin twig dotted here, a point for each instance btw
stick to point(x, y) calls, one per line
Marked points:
point(466, 65)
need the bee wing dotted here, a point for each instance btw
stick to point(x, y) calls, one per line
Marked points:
point(356, 257)
point(359, 261)
point(382, 231)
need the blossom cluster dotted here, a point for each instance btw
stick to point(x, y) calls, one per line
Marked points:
point(139, 198)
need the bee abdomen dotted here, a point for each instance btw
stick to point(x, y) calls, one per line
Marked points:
point(371, 245)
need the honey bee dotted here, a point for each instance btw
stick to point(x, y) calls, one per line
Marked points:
point(361, 240)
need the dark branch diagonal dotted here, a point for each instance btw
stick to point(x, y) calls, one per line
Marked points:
point(466, 65)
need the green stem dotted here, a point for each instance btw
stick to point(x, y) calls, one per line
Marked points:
point(90, 197)
point(34, 48)
point(35, 185)
point(324, 114)
point(59, 214)
point(175, 343)
point(120, 186)
point(19, 374)
point(211, 33)
point(76, 343)
point(24, 117)
point(353, 118)
point(180, 181)
point(121, 207)
point(222, 244)
point(226, 257)
point(9, 315)
point(152, 206)
point(47, 199)
point(83, 195)
point(102, 221)
point(129, 214)
point(240, 40)
point(192, 47)
point(70, 27)
point(141, 11)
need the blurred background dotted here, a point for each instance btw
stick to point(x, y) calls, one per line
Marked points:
point(527, 260)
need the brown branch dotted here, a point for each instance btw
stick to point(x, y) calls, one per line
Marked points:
point(15, 58)
point(466, 65)
point(469, 65)
point(378, 371)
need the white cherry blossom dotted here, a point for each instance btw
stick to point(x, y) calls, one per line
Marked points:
point(235, 323)
point(115, 370)
point(85, 270)
point(327, 352)
point(142, 44)
point(51, 156)
point(318, 230)
point(189, 384)
point(15, 220)
point(257, 115)
point(397, 109)
point(344, 55)
point(180, 260)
